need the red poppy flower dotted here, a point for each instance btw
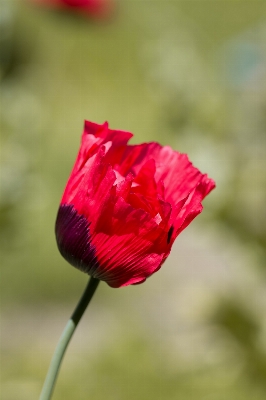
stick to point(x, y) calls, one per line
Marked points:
point(124, 205)
point(96, 8)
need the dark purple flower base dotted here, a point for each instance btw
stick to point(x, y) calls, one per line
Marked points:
point(73, 239)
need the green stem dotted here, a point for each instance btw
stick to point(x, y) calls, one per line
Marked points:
point(71, 325)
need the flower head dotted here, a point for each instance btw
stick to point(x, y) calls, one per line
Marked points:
point(90, 8)
point(124, 205)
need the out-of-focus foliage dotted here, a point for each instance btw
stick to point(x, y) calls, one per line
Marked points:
point(190, 74)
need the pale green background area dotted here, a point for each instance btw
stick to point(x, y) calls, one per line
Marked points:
point(186, 73)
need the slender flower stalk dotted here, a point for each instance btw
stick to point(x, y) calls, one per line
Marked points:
point(65, 338)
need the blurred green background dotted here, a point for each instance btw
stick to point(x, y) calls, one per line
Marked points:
point(191, 74)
